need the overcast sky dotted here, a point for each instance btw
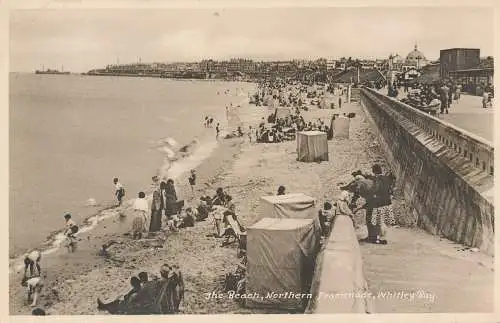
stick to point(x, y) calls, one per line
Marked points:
point(85, 39)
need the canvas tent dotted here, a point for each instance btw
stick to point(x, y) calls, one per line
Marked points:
point(341, 127)
point(289, 206)
point(280, 259)
point(283, 113)
point(312, 146)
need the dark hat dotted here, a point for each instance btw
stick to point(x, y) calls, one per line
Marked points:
point(356, 173)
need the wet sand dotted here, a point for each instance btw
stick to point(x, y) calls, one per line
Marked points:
point(246, 171)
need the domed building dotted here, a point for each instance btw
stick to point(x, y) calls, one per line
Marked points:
point(416, 58)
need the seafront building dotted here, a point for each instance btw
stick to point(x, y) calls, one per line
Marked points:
point(462, 65)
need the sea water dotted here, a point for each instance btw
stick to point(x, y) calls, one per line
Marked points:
point(70, 135)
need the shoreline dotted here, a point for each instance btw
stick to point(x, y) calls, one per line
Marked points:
point(90, 216)
point(216, 164)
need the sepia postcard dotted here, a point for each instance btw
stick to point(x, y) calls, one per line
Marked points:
point(323, 160)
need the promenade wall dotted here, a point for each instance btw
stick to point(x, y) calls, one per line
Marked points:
point(339, 285)
point(445, 173)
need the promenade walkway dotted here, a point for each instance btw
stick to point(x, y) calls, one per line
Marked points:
point(468, 114)
point(417, 272)
point(420, 273)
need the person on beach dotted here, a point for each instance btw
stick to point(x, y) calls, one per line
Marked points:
point(32, 261)
point(217, 130)
point(220, 197)
point(281, 190)
point(141, 211)
point(170, 199)
point(155, 182)
point(204, 207)
point(38, 312)
point(34, 288)
point(163, 195)
point(143, 277)
point(119, 191)
point(155, 222)
point(340, 102)
point(206, 122)
point(69, 232)
point(172, 291)
point(192, 180)
point(210, 122)
point(188, 219)
point(343, 205)
point(123, 301)
point(326, 216)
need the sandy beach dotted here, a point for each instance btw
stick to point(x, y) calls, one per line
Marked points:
point(246, 171)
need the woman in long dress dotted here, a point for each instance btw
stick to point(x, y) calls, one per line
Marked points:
point(170, 200)
point(382, 214)
point(155, 223)
point(141, 210)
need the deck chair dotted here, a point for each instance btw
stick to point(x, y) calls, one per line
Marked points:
point(233, 231)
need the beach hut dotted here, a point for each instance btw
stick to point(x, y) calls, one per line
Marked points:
point(280, 262)
point(282, 113)
point(341, 127)
point(312, 146)
point(297, 205)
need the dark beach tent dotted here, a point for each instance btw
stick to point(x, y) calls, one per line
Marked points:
point(280, 257)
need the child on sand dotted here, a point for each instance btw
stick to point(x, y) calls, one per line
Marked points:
point(70, 229)
point(34, 285)
point(32, 261)
point(141, 209)
point(326, 216)
point(119, 191)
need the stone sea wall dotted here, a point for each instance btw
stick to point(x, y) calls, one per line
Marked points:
point(445, 173)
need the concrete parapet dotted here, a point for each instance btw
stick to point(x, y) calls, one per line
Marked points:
point(339, 285)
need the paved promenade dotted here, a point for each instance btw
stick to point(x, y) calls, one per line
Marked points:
point(468, 114)
point(420, 273)
point(417, 272)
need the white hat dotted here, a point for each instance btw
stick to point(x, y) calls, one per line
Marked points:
point(344, 195)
